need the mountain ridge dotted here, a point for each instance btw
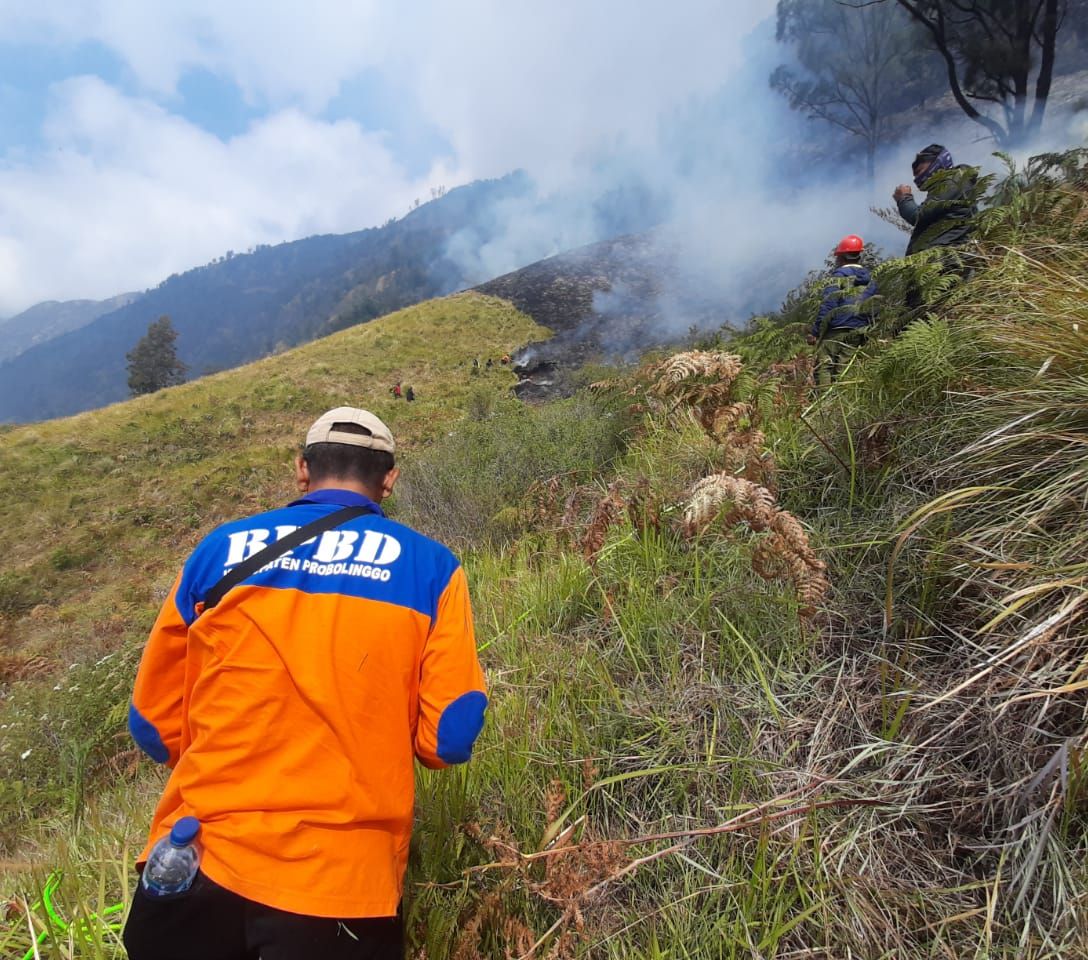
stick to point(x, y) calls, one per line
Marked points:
point(49, 319)
point(240, 308)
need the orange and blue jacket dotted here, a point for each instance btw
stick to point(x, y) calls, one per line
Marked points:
point(290, 713)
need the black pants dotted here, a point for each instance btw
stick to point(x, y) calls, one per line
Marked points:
point(210, 923)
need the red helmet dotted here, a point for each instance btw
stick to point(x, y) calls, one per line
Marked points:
point(850, 244)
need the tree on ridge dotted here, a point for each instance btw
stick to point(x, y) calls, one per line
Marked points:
point(858, 66)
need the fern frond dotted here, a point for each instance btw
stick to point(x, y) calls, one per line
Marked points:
point(785, 553)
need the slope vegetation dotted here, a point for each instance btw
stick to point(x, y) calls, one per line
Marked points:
point(774, 673)
point(102, 505)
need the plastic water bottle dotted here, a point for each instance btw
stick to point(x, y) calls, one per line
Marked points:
point(173, 862)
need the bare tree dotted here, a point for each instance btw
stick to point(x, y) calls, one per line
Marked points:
point(856, 64)
point(992, 50)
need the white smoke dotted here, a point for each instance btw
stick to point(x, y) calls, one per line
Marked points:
point(624, 113)
point(751, 195)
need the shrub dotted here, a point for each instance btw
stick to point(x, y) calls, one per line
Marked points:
point(18, 593)
point(460, 489)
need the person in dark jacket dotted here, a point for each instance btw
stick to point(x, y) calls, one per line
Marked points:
point(944, 218)
point(839, 328)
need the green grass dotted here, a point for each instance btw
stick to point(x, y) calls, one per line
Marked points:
point(677, 762)
point(104, 503)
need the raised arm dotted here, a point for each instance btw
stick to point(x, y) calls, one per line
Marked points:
point(908, 207)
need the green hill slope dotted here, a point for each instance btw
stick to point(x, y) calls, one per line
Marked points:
point(101, 506)
point(239, 308)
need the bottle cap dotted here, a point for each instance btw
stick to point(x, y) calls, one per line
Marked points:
point(184, 831)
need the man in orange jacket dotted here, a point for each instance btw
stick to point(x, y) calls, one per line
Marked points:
point(290, 707)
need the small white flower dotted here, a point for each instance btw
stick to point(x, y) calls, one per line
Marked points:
point(25, 754)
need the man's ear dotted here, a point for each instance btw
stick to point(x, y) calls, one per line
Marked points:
point(389, 481)
point(302, 474)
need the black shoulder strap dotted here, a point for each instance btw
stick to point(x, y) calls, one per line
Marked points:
point(251, 565)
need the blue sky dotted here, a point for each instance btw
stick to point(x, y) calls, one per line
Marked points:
point(138, 139)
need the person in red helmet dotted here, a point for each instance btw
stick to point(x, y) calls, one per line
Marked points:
point(839, 327)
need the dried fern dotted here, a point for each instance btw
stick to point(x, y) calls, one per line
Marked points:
point(696, 366)
point(606, 514)
point(784, 553)
point(729, 405)
point(697, 378)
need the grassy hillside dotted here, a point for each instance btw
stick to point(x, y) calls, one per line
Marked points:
point(102, 505)
point(774, 673)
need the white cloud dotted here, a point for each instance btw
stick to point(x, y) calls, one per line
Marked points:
point(278, 51)
point(127, 193)
point(556, 75)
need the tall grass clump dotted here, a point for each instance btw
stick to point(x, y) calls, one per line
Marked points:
point(465, 488)
point(67, 888)
point(1013, 545)
point(962, 446)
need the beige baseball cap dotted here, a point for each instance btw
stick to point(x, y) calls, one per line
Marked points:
point(377, 437)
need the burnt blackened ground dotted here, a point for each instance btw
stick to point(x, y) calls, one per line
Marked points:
point(606, 302)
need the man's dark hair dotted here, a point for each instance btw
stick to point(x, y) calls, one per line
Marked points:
point(343, 461)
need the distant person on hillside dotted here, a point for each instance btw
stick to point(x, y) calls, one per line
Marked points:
point(409, 394)
point(839, 327)
point(944, 218)
point(395, 390)
point(289, 700)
